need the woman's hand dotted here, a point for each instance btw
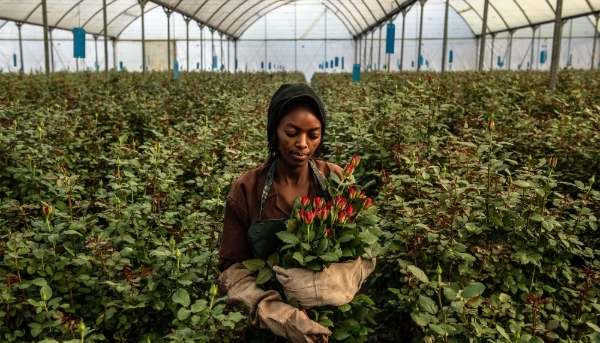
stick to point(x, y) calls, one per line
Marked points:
point(335, 286)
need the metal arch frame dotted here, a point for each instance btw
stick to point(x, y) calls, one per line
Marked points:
point(259, 16)
point(226, 17)
point(245, 21)
point(596, 29)
point(499, 14)
point(383, 9)
point(368, 8)
point(392, 14)
point(98, 12)
point(131, 22)
point(5, 22)
point(356, 33)
point(549, 21)
point(193, 16)
point(69, 11)
point(338, 12)
point(460, 15)
point(524, 14)
point(356, 8)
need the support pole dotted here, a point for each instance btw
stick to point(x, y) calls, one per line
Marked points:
point(379, 53)
point(595, 39)
point(511, 32)
point(325, 59)
point(228, 48)
point(492, 57)
point(531, 58)
point(187, 40)
point(445, 43)
point(212, 40)
point(404, 11)
point(168, 12)
point(96, 44)
point(46, 50)
point(235, 40)
point(371, 53)
point(19, 24)
point(483, 35)
point(360, 50)
point(365, 50)
point(222, 51)
point(105, 37)
point(114, 44)
point(142, 5)
point(295, 39)
point(555, 63)
point(201, 26)
point(355, 50)
point(422, 2)
point(52, 63)
point(266, 42)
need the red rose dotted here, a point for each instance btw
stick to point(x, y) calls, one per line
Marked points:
point(318, 202)
point(304, 201)
point(355, 160)
point(368, 203)
point(349, 210)
point(327, 232)
point(308, 217)
point(348, 170)
point(351, 193)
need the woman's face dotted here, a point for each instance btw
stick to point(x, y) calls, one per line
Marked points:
point(298, 135)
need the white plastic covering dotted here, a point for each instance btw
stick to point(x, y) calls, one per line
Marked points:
point(299, 35)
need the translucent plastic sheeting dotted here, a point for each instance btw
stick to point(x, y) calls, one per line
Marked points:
point(507, 14)
point(67, 14)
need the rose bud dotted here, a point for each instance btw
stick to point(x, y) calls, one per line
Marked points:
point(300, 215)
point(308, 217)
point(349, 211)
point(368, 203)
point(63, 169)
point(328, 205)
point(430, 79)
point(362, 194)
point(491, 125)
point(304, 201)
point(341, 216)
point(318, 202)
point(553, 162)
point(355, 160)
point(323, 214)
point(47, 210)
point(340, 202)
point(348, 170)
point(327, 232)
point(351, 193)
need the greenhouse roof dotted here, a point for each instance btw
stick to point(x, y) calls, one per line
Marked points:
point(233, 17)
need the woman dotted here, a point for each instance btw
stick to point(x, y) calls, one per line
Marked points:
point(261, 200)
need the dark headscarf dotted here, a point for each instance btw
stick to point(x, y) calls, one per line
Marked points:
point(290, 95)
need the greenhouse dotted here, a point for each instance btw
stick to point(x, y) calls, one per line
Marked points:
point(227, 171)
point(307, 36)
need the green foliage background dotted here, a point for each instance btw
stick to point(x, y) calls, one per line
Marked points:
point(149, 161)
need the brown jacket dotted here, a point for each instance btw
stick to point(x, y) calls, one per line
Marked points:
point(243, 205)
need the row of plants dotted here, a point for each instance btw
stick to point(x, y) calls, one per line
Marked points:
point(112, 194)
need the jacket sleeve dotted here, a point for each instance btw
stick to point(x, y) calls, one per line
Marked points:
point(234, 246)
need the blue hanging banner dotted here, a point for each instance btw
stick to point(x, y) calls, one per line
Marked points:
point(262, 65)
point(451, 57)
point(236, 64)
point(15, 60)
point(326, 65)
point(269, 65)
point(499, 61)
point(570, 60)
point(391, 37)
point(427, 63)
point(331, 63)
point(176, 69)
point(337, 61)
point(78, 42)
point(197, 65)
point(214, 62)
point(420, 59)
point(120, 65)
point(543, 56)
point(342, 63)
point(412, 64)
point(356, 73)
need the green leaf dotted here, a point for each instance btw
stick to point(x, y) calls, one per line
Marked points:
point(593, 326)
point(368, 237)
point(346, 237)
point(502, 332)
point(521, 183)
point(254, 264)
point(594, 337)
point(473, 290)
point(339, 334)
point(418, 273)
point(427, 304)
point(536, 339)
point(437, 329)
point(47, 291)
point(263, 276)
point(344, 308)
point(181, 297)
point(298, 257)
point(273, 260)
point(329, 257)
point(419, 319)
point(451, 292)
point(199, 305)
point(39, 282)
point(288, 237)
point(183, 313)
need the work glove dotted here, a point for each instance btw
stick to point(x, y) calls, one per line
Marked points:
point(266, 309)
point(335, 286)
